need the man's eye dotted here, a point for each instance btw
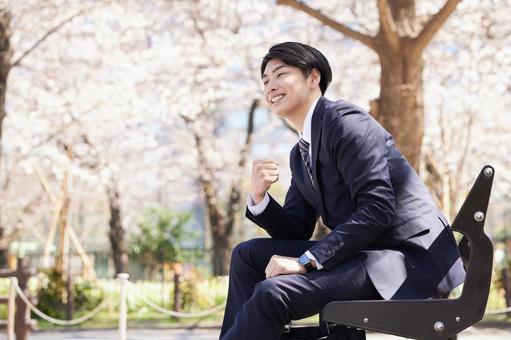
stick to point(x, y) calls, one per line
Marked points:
point(280, 74)
point(264, 83)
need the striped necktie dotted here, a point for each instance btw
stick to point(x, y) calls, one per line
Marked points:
point(304, 150)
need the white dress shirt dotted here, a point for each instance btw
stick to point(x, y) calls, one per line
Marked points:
point(306, 134)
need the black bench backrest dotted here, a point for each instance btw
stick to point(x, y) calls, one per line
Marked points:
point(475, 247)
point(435, 318)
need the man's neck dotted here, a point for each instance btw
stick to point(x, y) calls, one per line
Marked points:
point(298, 120)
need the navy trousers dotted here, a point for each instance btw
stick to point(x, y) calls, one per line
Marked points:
point(259, 308)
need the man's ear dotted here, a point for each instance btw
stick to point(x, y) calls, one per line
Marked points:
point(315, 77)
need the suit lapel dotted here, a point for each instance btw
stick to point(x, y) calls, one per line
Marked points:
point(316, 128)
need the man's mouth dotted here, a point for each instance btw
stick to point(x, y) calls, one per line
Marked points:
point(277, 98)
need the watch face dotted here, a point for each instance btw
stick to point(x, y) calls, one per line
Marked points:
point(304, 260)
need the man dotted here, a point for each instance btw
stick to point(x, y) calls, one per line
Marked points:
point(388, 238)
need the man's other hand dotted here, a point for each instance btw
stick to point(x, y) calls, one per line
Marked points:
point(283, 265)
point(265, 172)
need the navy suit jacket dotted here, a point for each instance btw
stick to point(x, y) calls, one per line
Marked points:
point(373, 201)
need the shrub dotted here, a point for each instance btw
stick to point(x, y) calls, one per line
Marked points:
point(52, 295)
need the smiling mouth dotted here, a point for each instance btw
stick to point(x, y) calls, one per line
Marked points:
point(277, 98)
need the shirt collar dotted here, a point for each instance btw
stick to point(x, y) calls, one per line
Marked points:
point(307, 124)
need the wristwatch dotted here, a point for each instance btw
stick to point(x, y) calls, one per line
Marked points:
point(305, 261)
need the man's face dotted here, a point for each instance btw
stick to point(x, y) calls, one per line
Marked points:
point(286, 89)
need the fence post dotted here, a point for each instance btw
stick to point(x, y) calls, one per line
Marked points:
point(11, 305)
point(22, 324)
point(123, 308)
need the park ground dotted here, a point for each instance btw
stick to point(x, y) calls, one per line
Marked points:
point(486, 332)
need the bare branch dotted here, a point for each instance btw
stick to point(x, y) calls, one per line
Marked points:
point(465, 153)
point(387, 25)
point(235, 190)
point(367, 40)
point(45, 184)
point(250, 131)
point(57, 132)
point(432, 26)
point(205, 172)
point(17, 62)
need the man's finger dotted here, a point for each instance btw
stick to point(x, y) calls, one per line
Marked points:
point(269, 268)
point(264, 174)
point(276, 270)
point(266, 162)
point(272, 179)
point(267, 166)
point(271, 172)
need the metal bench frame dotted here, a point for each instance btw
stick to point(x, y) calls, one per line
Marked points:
point(434, 318)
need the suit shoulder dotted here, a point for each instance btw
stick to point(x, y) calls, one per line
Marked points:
point(335, 110)
point(342, 118)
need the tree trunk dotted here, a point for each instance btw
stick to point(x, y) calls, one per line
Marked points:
point(116, 234)
point(400, 107)
point(3, 250)
point(222, 245)
point(222, 221)
point(62, 260)
point(5, 66)
point(5, 57)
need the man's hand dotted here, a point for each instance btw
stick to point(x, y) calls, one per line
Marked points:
point(265, 172)
point(283, 265)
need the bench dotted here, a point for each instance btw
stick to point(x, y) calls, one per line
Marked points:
point(422, 319)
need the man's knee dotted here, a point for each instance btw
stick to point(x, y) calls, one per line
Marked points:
point(244, 252)
point(273, 296)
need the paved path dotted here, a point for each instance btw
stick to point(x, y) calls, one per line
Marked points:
point(212, 334)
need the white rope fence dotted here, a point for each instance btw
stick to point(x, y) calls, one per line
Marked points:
point(123, 307)
point(124, 285)
point(498, 311)
point(174, 313)
point(59, 322)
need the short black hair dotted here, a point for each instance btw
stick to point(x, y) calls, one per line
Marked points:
point(302, 56)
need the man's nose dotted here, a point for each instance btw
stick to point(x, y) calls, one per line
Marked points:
point(270, 87)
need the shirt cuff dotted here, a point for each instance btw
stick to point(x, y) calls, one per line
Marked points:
point(257, 209)
point(310, 256)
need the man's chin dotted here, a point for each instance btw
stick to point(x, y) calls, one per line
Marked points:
point(280, 112)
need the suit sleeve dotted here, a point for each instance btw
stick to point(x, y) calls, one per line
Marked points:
point(359, 146)
point(293, 221)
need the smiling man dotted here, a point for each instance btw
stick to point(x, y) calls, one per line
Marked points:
point(388, 238)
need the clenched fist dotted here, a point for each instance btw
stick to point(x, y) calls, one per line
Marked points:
point(265, 172)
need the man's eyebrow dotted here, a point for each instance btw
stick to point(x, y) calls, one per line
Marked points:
point(274, 70)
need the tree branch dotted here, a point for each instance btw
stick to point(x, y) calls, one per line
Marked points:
point(250, 131)
point(367, 40)
point(235, 190)
point(205, 174)
point(387, 25)
point(17, 62)
point(432, 26)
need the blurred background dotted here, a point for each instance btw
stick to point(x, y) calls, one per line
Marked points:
point(128, 128)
